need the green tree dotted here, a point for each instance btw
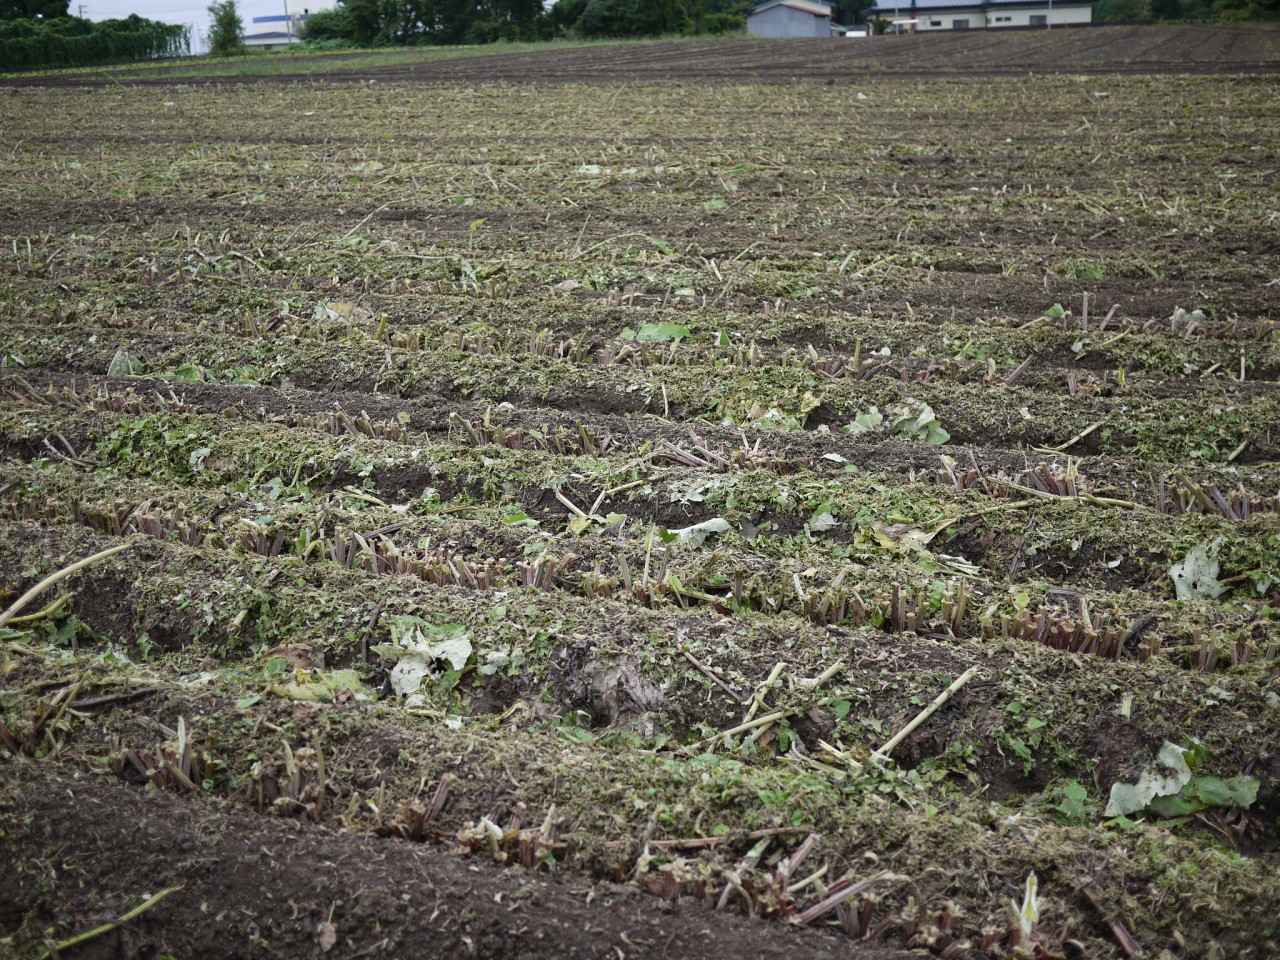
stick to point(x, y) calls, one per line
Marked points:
point(1200, 11)
point(1122, 10)
point(638, 18)
point(365, 18)
point(564, 15)
point(73, 42)
point(366, 22)
point(33, 9)
point(845, 12)
point(328, 25)
point(226, 33)
point(1247, 9)
point(631, 18)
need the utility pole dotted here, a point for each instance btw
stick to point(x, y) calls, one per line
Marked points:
point(1048, 21)
point(80, 7)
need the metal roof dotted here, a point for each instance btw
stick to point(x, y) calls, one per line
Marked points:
point(906, 6)
point(909, 5)
point(817, 8)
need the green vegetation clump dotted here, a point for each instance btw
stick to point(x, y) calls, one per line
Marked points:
point(37, 44)
point(1187, 11)
point(369, 22)
point(226, 32)
point(451, 22)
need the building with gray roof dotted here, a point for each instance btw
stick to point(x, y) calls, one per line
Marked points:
point(790, 18)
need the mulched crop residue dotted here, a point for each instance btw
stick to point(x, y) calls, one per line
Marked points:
point(549, 506)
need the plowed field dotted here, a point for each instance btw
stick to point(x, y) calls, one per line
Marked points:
point(550, 513)
point(1165, 49)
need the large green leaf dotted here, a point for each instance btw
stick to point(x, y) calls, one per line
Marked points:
point(1217, 792)
point(657, 332)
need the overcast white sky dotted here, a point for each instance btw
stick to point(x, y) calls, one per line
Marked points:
point(192, 12)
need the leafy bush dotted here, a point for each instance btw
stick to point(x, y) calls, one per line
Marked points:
point(75, 42)
point(326, 26)
point(226, 34)
point(334, 43)
point(719, 23)
point(410, 22)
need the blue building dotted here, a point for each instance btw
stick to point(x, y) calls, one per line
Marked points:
point(280, 30)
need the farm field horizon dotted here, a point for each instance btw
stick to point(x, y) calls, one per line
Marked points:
point(704, 499)
point(1103, 48)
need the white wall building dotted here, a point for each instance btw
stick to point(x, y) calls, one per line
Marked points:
point(931, 15)
point(276, 31)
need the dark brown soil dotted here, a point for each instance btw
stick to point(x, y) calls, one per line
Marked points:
point(256, 887)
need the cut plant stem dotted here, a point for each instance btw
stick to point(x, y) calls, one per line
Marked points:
point(361, 495)
point(840, 896)
point(1197, 492)
point(715, 677)
point(768, 718)
point(1084, 497)
point(1116, 339)
point(812, 878)
point(96, 932)
point(1062, 448)
point(611, 491)
point(58, 577)
point(48, 611)
point(757, 698)
point(752, 724)
point(821, 678)
point(927, 712)
point(570, 504)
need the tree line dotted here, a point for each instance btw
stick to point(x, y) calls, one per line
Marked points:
point(1184, 11)
point(364, 22)
point(38, 34)
point(374, 22)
